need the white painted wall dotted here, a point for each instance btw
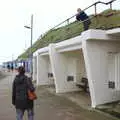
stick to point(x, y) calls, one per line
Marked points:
point(51, 79)
point(64, 64)
point(96, 60)
point(75, 64)
point(117, 71)
point(114, 69)
point(43, 69)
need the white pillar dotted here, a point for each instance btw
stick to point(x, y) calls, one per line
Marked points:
point(58, 64)
point(89, 72)
point(42, 71)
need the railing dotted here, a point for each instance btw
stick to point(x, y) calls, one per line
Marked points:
point(68, 19)
point(95, 8)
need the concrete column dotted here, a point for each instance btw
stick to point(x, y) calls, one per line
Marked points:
point(88, 70)
point(42, 71)
point(58, 64)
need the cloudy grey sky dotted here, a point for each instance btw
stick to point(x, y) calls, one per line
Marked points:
point(14, 14)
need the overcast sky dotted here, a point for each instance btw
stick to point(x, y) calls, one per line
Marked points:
point(14, 14)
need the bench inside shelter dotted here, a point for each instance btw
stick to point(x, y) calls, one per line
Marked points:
point(83, 84)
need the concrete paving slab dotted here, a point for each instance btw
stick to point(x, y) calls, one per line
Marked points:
point(48, 106)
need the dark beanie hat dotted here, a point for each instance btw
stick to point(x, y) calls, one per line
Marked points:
point(21, 70)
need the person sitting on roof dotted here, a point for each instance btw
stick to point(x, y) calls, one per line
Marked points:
point(82, 16)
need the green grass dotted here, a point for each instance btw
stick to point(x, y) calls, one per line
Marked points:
point(106, 20)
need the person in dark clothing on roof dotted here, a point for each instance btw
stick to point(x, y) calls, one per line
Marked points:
point(20, 99)
point(82, 16)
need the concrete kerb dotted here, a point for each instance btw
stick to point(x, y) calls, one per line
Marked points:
point(85, 108)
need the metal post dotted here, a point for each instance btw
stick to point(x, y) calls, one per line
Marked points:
point(95, 9)
point(67, 21)
point(31, 54)
point(96, 13)
point(111, 5)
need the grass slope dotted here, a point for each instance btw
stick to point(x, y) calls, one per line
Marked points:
point(106, 20)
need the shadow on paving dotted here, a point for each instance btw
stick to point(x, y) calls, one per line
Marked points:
point(52, 107)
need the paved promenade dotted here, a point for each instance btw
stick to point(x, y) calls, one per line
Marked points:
point(47, 106)
point(6, 108)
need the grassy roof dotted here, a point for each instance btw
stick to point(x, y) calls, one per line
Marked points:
point(106, 20)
